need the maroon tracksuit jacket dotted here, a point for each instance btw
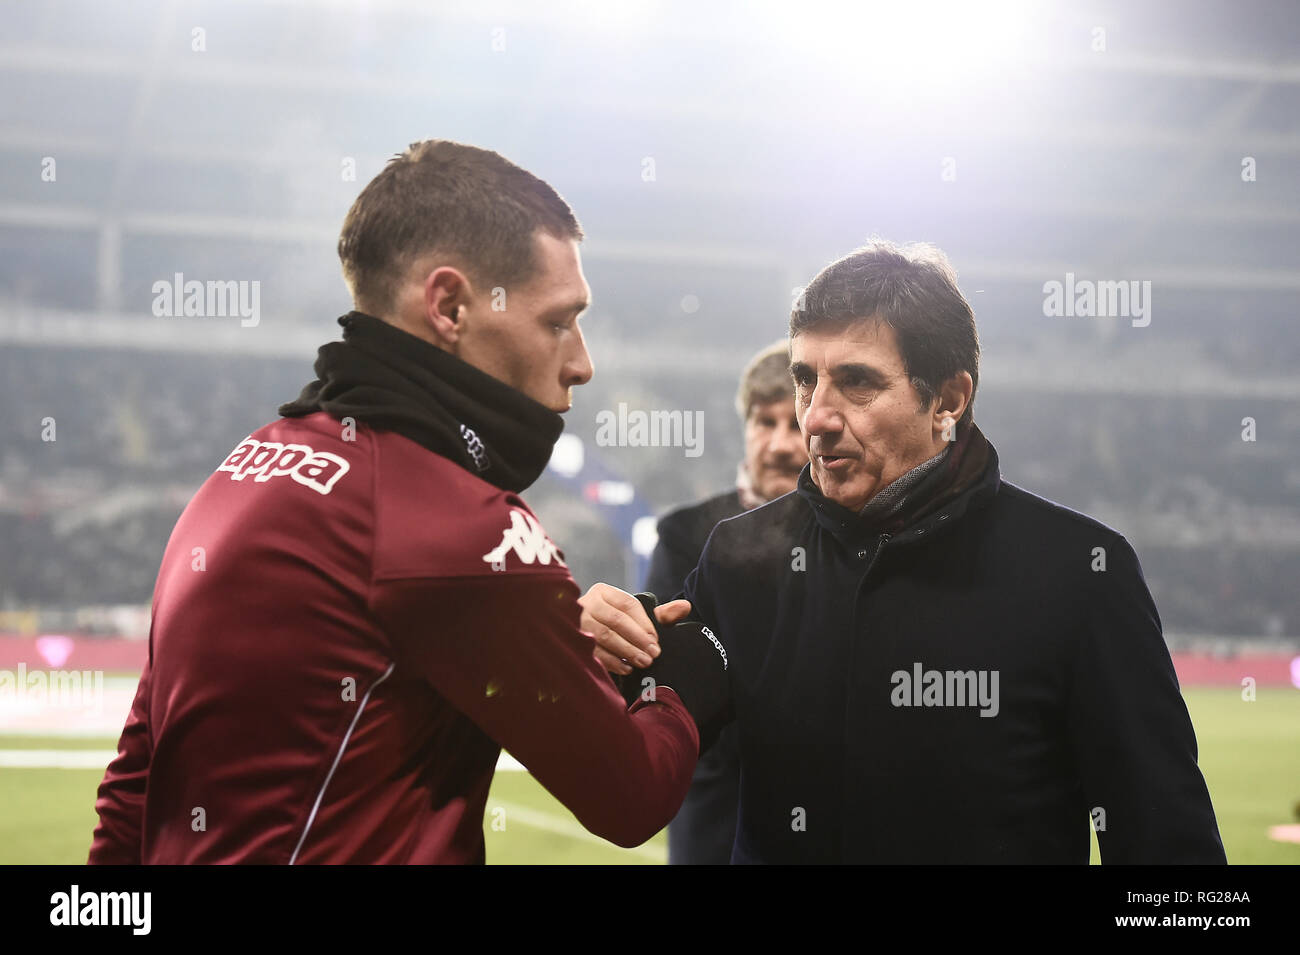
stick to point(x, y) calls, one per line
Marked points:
point(345, 632)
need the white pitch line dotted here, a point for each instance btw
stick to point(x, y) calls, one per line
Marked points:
point(507, 763)
point(55, 758)
point(533, 818)
point(537, 819)
point(62, 732)
point(100, 758)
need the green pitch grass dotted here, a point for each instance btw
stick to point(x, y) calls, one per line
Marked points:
point(1250, 754)
point(47, 816)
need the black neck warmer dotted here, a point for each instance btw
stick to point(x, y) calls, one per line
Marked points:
point(963, 466)
point(381, 376)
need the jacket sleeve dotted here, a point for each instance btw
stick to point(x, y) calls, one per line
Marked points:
point(506, 650)
point(120, 803)
point(698, 588)
point(1130, 731)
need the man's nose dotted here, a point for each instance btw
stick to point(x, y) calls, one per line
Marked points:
point(579, 368)
point(822, 417)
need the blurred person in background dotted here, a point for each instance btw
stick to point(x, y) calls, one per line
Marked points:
point(704, 828)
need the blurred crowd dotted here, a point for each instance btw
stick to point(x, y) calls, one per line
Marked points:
point(84, 517)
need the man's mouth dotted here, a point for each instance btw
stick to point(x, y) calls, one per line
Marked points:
point(784, 469)
point(833, 462)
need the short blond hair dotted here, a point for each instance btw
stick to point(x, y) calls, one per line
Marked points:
point(765, 379)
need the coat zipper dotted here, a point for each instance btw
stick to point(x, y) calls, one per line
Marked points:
point(884, 539)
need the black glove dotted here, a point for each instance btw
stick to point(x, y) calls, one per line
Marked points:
point(693, 664)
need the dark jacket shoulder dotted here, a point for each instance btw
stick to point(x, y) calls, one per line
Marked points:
point(756, 535)
point(1038, 528)
point(691, 519)
point(682, 533)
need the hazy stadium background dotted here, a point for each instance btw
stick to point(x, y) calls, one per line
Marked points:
point(717, 155)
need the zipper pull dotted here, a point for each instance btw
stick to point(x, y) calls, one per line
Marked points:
point(884, 538)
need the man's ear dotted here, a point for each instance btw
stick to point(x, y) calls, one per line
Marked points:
point(954, 399)
point(447, 291)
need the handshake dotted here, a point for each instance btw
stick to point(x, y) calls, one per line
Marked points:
point(670, 651)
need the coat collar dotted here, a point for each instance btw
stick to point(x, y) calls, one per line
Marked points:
point(958, 492)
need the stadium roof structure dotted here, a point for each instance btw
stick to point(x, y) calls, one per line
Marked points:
point(216, 138)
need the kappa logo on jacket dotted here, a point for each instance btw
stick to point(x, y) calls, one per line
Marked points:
point(526, 538)
point(318, 470)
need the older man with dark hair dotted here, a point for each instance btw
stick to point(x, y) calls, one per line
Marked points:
point(928, 663)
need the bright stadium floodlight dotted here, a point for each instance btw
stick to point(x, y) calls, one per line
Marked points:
point(628, 17)
point(645, 535)
point(907, 51)
point(568, 456)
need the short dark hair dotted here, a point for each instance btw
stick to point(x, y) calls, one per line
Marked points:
point(473, 204)
point(911, 288)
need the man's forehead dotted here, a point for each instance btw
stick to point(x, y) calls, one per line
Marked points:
point(571, 298)
point(867, 341)
point(559, 279)
point(776, 407)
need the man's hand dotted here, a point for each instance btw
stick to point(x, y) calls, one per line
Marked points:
point(625, 635)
